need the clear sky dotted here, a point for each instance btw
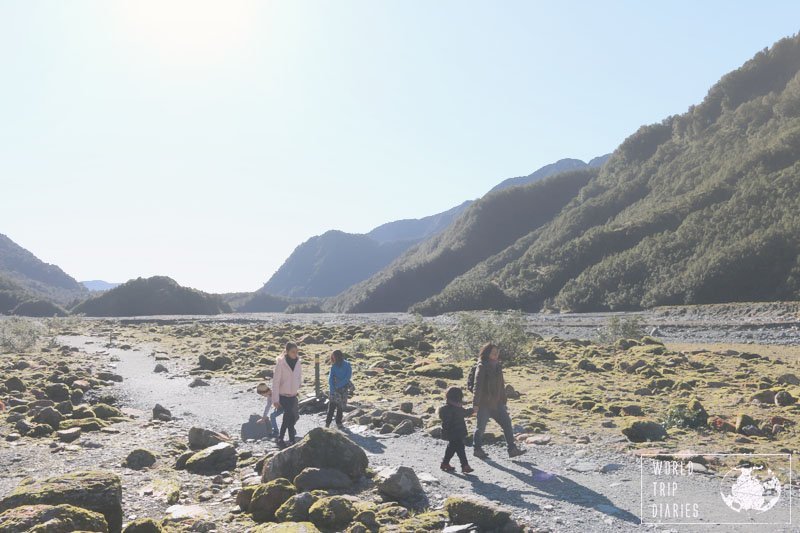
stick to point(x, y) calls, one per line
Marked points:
point(205, 140)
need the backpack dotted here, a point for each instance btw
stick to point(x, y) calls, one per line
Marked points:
point(471, 378)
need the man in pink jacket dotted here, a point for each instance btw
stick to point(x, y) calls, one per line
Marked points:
point(286, 381)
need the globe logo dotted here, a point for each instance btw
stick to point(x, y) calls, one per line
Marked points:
point(750, 489)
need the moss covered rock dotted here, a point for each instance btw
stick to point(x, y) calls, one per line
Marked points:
point(430, 521)
point(93, 490)
point(473, 510)
point(105, 412)
point(440, 370)
point(295, 509)
point(143, 525)
point(213, 460)
point(86, 424)
point(644, 430)
point(320, 448)
point(333, 513)
point(51, 519)
point(267, 498)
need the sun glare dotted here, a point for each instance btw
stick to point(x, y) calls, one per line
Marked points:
point(189, 31)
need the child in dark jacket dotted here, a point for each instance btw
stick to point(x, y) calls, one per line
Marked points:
point(454, 429)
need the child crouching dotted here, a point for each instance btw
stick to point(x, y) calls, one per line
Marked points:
point(266, 391)
point(454, 429)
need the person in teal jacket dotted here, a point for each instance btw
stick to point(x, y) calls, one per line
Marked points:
point(338, 383)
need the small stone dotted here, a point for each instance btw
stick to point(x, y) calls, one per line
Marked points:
point(139, 459)
point(538, 439)
point(398, 482)
point(161, 413)
point(406, 427)
point(69, 435)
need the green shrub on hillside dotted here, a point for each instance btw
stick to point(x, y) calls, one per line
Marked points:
point(473, 331)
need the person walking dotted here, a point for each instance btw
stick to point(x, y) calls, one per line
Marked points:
point(338, 382)
point(490, 401)
point(454, 429)
point(286, 382)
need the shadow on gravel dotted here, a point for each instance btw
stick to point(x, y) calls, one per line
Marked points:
point(370, 444)
point(558, 487)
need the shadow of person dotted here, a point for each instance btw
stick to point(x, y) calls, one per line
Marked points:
point(558, 487)
point(494, 492)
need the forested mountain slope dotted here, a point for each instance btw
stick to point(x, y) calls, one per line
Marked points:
point(702, 207)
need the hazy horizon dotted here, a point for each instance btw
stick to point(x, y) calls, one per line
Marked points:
point(205, 144)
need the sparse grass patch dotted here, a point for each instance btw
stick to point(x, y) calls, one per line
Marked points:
point(19, 334)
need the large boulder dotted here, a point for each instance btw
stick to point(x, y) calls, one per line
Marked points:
point(440, 370)
point(320, 448)
point(644, 430)
point(322, 479)
point(93, 490)
point(295, 509)
point(333, 513)
point(267, 498)
point(51, 519)
point(213, 460)
point(200, 438)
point(398, 482)
point(482, 513)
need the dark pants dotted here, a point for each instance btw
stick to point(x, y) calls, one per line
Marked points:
point(455, 447)
point(500, 415)
point(289, 405)
point(334, 407)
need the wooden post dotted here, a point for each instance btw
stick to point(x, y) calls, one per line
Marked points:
point(317, 386)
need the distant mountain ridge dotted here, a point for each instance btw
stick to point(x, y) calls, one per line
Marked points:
point(328, 264)
point(158, 295)
point(98, 285)
point(416, 229)
point(32, 278)
point(562, 165)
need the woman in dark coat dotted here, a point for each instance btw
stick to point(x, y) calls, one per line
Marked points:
point(490, 401)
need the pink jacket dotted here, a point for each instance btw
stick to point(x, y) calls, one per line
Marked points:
point(286, 382)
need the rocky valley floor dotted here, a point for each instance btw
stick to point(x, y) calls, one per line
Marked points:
point(585, 411)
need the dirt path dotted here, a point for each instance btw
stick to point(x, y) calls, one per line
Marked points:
point(557, 487)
